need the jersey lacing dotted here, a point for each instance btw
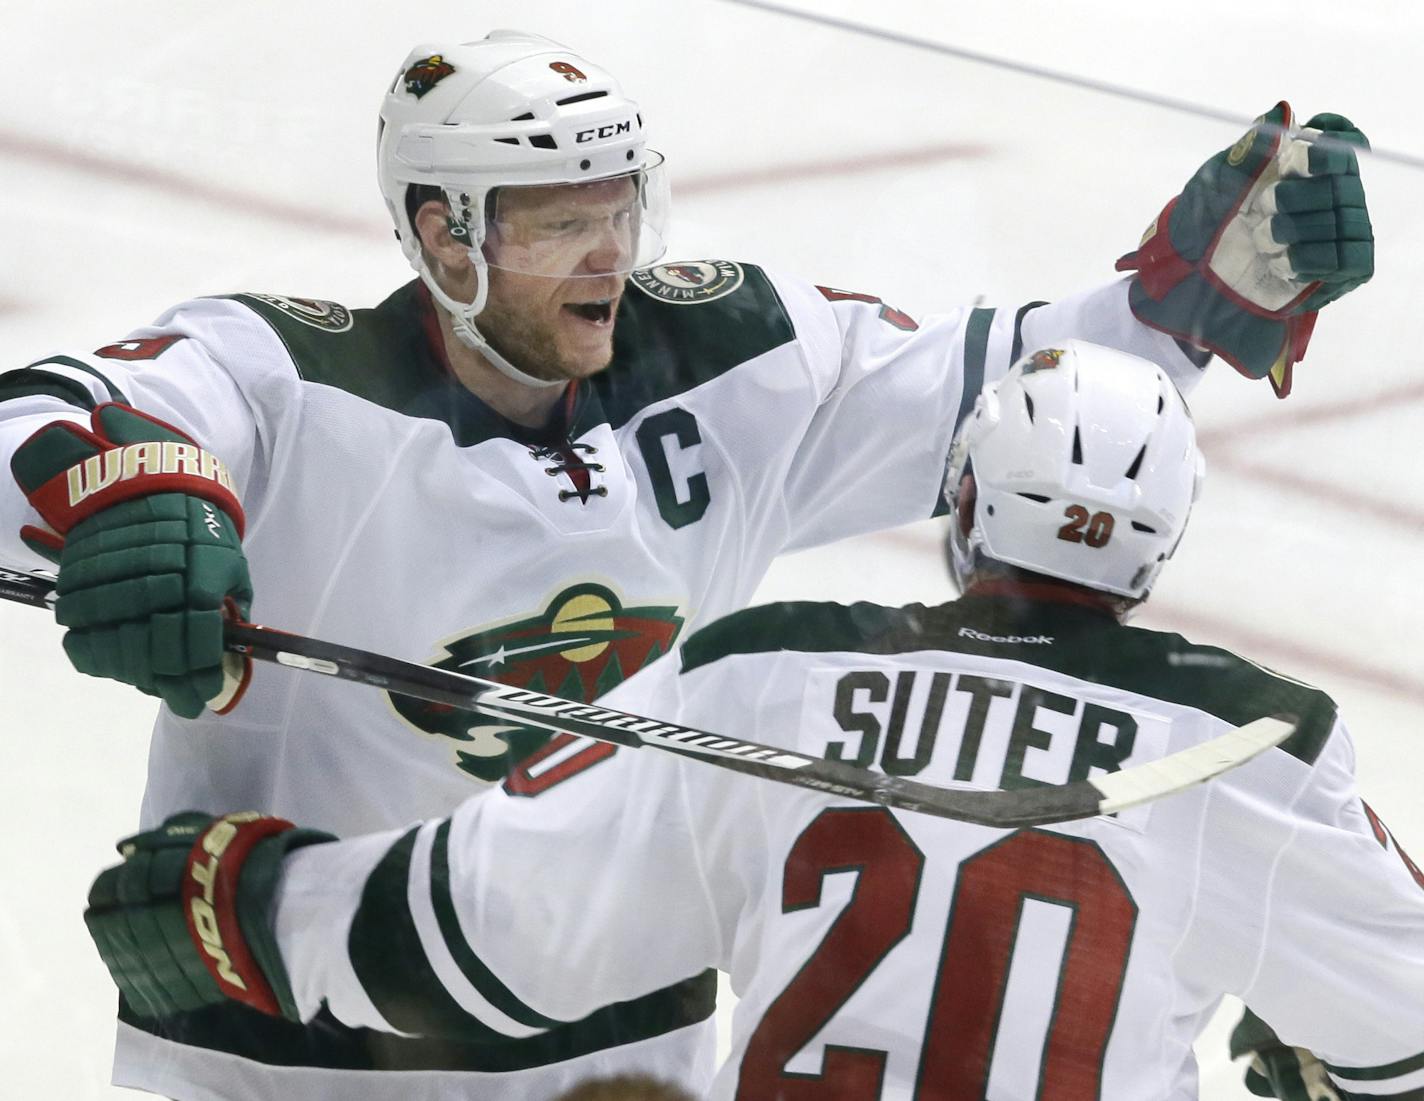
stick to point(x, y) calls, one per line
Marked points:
point(567, 460)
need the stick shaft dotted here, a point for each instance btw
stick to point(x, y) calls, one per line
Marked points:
point(26, 588)
point(1004, 809)
point(553, 713)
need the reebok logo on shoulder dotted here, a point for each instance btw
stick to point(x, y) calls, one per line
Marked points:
point(1013, 640)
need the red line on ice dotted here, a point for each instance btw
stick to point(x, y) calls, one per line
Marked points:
point(304, 216)
point(65, 156)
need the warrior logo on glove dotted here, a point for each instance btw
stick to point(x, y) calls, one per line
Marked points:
point(146, 528)
point(122, 464)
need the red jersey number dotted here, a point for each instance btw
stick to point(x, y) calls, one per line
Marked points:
point(889, 314)
point(972, 970)
point(133, 350)
point(555, 763)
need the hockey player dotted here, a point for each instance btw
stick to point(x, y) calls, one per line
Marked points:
point(542, 460)
point(879, 956)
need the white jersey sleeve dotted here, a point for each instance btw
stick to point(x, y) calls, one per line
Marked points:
point(892, 392)
point(602, 879)
point(1339, 921)
point(171, 370)
point(605, 896)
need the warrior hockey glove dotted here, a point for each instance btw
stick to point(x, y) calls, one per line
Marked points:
point(1265, 234)
point(184, 922)
point(146, 529)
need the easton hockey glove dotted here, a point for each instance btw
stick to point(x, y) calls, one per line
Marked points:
point(1265, 234)
point(184, 922)
point(146, 528)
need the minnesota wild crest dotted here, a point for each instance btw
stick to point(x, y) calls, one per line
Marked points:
point(583, 644)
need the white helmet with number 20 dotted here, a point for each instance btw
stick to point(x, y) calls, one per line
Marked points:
point(1080, 464)
point(509, 111)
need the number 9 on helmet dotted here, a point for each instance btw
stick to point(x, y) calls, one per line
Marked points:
point(1080, 464)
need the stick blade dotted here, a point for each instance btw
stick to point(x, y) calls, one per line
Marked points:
point(1194, 765)
point(1028, 807)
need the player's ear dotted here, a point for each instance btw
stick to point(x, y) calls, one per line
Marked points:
point(432, 225)
point(447, 257)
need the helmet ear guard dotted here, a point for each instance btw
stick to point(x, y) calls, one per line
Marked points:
point(960, 492)
point(1080, 464)
point(987, 414)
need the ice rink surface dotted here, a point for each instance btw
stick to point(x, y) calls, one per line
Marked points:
point(153, 152)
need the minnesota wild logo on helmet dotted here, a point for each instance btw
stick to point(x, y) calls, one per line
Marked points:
point(425, 74)
point(583, 644)
point(1045, 359)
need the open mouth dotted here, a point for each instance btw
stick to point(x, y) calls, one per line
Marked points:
point(599, 312)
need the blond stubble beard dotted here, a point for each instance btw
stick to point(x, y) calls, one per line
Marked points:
point(530, 345)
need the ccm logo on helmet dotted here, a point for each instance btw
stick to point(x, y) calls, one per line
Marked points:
point(980, 636)
point(611, 130)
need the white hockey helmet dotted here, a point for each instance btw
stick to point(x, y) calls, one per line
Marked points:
point(1080, 464)
point(513, 110)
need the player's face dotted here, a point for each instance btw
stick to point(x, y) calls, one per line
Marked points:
point(559, 258)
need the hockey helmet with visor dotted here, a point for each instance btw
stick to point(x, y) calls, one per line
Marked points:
point(541, 162)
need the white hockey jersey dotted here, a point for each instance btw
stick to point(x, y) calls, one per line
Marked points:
point(389, 509)
point(893, 956)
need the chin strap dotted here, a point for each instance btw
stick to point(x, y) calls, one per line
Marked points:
point(462, 318)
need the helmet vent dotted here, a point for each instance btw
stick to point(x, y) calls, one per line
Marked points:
point(1028, 404)
point(1039, 497)
point(528, 116)
point(580, 98)
point(1143, 527)
point(543, 141)
point(1161, 402)
point(507, 141)
point(1136, 463)
point(1077, 447)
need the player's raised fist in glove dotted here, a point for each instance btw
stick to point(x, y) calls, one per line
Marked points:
point(184, 921)
point(146, 529)
point(1265, 234)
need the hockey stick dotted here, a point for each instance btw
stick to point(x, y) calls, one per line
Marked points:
point(33, 589)
point(1005, 809)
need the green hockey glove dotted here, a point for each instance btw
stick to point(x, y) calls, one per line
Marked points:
point(184, 922)
point(147, 531)
point(1265, 234)
point(1276, 1070)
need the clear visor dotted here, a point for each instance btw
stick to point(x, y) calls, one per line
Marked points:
point(600, 228)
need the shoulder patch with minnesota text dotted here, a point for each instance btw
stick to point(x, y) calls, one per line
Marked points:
point(330, 316)
point(688, 282)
